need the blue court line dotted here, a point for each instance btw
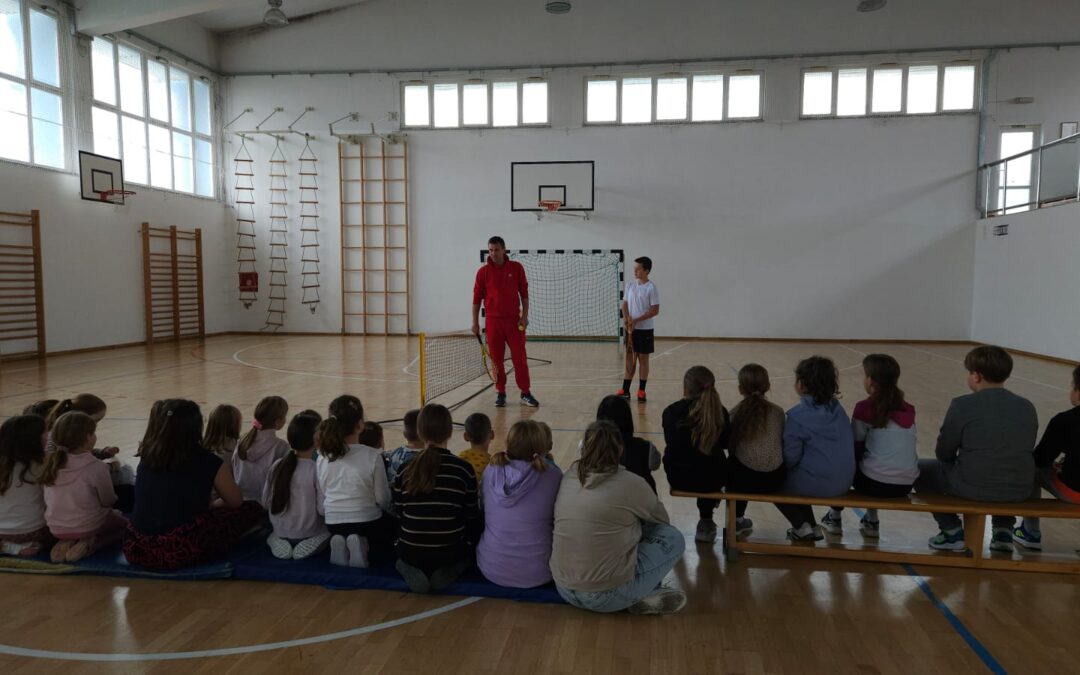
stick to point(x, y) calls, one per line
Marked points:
point(980, 650)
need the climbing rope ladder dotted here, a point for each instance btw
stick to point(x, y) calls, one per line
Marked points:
point(309, 226)
point(279, 239)
point(244, 194)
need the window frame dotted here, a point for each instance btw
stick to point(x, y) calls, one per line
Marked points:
point(689, 76)
point(147, 120)
point(29, 84)
point(904, 68)
point(460, 83)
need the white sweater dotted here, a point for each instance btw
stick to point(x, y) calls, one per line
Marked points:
point(354, 486)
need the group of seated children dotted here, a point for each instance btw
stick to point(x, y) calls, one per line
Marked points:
point(985, 450)
point(599, 531)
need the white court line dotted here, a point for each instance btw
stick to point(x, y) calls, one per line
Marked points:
point(232, 651)
point(328, 376)
point(1014, 377)
point(670, 351)
point(410, 365)
point(851, 349)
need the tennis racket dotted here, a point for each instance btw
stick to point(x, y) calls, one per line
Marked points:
point(631, 356)
point(485, 357)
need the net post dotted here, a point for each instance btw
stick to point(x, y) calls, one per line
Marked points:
point(423, 371)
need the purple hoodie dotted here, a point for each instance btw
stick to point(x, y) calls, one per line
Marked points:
point(251, 473)
point(519, 518)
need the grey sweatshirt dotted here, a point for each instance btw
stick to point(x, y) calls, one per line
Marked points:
point(989, 438)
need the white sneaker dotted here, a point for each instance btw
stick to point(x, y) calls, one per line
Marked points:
point(832, 523)
point(279, 547)
point(339, 554)
point(660, 601)
point(743, 527)
point(358, 550)
point(706, 531)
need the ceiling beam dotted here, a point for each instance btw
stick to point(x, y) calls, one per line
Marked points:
point(97, 17)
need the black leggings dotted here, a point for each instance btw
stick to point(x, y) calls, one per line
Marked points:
point(380, 534)
point(695, 479)
point(742, 479)
point(873, 488)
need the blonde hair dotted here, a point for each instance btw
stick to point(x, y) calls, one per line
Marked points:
point(706, 412)
point(222, 428)
point(70, 433)
point(84, 403)
point(526, 441)
point(600, 451)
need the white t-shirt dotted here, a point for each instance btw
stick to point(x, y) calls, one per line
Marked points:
point(354, 486)
point(640, 298)
point(22, 507)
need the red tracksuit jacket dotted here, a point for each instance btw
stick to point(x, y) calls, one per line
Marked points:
point(499, 287)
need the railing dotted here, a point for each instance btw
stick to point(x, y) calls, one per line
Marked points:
point(1044, 176)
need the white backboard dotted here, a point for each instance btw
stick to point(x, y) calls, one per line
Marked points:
point(569, 182)
point(98, 173)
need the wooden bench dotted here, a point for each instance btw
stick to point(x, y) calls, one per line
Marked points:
point(973, 513)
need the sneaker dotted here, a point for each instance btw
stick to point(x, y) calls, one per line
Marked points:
point(528, 400)
point(500, 400)
point(281, 549)
point(743, 527)
point(660, 601)
point(358, 550)
point(948, 540)
point(1002, 540)
point(1029, 540)
point(869, 528)
point(831, 523)
point(339, 553)
point(706, 531)
point(640, 395)
point(806, 532)
point(623, 394)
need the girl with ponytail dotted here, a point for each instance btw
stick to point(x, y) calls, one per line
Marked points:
point(293, 497)
point(519, 488)
point(356, 496)
point(79, 493)
point(883, 425)
point(436, 500)
point(22, 498)
point(260, 447)
point(817, 445)
point(757, 442)
point(696, 431)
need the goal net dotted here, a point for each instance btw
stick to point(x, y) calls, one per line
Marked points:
point(573, 294)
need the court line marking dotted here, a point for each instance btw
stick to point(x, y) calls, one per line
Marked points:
point(966, 635)
point(1013, 377)
point(328, 376)
point(232, 651)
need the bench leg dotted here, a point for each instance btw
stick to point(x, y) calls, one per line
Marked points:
point(975, 535)
point(731, 554)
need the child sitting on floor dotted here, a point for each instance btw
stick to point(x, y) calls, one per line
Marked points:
point(479, 435)
point(397, 458)
point(438, 505)
point(884, 430)
point(223, 432)
point(372, 436)
point(22, 497)
point(79, 493)
point(293, 497)
point(260, 447)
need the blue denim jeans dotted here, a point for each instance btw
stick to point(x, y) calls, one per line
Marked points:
point(660, 548)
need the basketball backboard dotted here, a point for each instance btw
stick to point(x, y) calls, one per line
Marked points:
point(570, 183)
point(98, 175)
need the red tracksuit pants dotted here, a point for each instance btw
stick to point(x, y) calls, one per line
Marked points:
point(500, 333)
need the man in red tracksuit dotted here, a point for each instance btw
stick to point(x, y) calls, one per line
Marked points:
point(499, 284)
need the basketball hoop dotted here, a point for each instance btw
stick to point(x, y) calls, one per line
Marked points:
point(555, 206)
point(115, 196)
point(550, 205)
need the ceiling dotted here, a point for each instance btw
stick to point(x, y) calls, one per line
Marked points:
point(248, 13)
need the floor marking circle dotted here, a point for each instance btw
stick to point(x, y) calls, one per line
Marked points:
point(232, 651)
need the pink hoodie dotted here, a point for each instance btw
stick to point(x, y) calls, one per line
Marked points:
point(81, 498)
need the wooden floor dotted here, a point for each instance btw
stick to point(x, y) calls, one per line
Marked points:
point(758, 615)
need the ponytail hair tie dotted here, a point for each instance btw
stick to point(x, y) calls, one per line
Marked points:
point(706, 386)
point(257, 425)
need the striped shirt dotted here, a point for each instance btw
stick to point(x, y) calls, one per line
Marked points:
point(443, 520)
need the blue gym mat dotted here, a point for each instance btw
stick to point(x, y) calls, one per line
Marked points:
point(254, 562)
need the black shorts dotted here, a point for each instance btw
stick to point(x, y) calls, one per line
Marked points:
point(643, 341)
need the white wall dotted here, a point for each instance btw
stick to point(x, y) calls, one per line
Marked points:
point(834, 228)
point(423, 34)
point(1026, 283)
point(92, 256)
point(186, 37)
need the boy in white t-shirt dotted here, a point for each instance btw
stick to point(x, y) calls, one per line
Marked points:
point(641, 303)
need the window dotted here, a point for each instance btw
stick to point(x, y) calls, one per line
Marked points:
point(154, 115)
point(475, 103)
point(673, 97)
point(31, 99)
point(1015, 177)
point(917, 89)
